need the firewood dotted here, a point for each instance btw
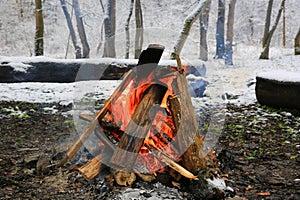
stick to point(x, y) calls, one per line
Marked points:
point(90, 128)
point(151, 55)
point(137, 129)
point(175, 111)
point(91, 169)
point(193, 158)
point(169, 162)
point(123, 178)
point(145, 177)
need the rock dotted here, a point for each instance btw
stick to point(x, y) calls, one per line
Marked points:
point(197, 85)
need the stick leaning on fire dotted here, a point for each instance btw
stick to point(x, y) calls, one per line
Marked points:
point(93, 123)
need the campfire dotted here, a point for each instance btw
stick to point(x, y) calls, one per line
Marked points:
point(147, 126)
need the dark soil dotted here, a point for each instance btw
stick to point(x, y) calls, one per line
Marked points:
point(259, 151)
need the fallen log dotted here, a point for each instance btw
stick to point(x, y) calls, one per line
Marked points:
point(43, 69)
point(280, 89)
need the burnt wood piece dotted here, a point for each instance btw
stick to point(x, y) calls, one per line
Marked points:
point(136, 131)
point(279, 94)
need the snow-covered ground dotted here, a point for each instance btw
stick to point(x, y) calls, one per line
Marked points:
point(237, 83)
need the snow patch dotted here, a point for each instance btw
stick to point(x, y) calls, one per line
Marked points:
point(281, 75)
point(20, 67)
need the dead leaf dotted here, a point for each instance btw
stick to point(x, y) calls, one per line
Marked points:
point(264, 193)
point(249, 187)
point(231, 144)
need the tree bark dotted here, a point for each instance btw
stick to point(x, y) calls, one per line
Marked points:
point(229, 33)
point(139, 33)
point(189, 20)
point(203, 32)
point(220, 46)
point(127, 30)
point(81, 30)
point(265, 53)
point(71, 29)
point(268, 22)
point(283, 28)
point(109, 27)
point(39, 29)
point(297, 43)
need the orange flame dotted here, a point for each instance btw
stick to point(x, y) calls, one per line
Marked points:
point(162, 131)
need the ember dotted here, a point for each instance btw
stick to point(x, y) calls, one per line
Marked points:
point(151, 121)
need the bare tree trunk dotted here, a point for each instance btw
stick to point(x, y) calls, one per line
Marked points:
point(251, 24)
point(229, 33)
point(81, 30)
point(71, 29)
point(21, 10)
point(268, 22)
point(139, 33)
point(109, 27)
point(127, 30)
point(297, 43)
point(101, 30)
point(189, 20)
point(203, 32)
point(220, 46)
point(283, 28)
point(39, 29)
point(265, 53)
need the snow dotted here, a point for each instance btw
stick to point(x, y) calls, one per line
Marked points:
point(62, 93)
point(20, 67)
point(281, 76)
point(236, 81)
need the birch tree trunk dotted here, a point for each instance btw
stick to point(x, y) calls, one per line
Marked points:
point(39, 29)
point(297, 43)
point(203, 32)
point(283, 28)
point(139, 33)
point(189, 20)
point(229, 33)
point(268, 22)
point(265, 53)
point(71, 29)
point(109, 27)
point(81, 30)
point(220, 46)
point(127, 30)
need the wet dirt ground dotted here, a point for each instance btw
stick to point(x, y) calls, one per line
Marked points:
point(258, 151)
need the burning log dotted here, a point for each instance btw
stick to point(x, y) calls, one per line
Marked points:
point(133, 138)
point(155, 125)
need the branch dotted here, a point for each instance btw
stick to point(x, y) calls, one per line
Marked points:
point(189, 20)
